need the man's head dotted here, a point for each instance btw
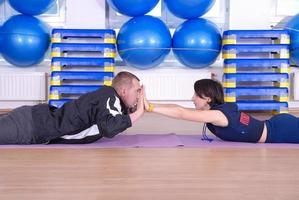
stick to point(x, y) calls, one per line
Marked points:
point(128, 88)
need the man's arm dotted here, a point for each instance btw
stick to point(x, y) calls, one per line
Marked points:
point(113, 125)
point(115, 122)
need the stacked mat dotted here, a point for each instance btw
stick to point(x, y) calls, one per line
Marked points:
point(256, 69)
point(82, 61)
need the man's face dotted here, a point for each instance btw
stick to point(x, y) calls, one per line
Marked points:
point(132, 94)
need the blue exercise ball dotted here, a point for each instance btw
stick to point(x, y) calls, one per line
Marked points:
point(293, 26)
point(25, 40)
point(32, 7)
point(196, 43)
point(143, 42)
point(189, 9)
point(132, 8)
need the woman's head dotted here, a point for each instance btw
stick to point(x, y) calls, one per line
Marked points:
point(207, 92)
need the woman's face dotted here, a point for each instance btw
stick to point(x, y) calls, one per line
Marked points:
point(201, 103)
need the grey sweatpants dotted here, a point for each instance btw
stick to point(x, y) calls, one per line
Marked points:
point(16, 127)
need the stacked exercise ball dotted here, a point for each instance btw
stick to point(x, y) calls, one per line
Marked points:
point(189, 9)
point(293, 27)
point(31, 7)
point(144, 41)
point(133, 8)
point(25, 39)
point(196, 43)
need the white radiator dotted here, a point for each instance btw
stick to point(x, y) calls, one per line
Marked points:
point(170, 85)
point(23, 86)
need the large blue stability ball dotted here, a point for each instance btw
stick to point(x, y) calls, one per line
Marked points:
point(32, 7)
point(143, 42)
point(196, 43)
point(25, 39)
point(132, 8)
point(189, 9)
point(293, 26)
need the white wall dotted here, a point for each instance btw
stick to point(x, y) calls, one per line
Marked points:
point(85, 14)
point(253, 14)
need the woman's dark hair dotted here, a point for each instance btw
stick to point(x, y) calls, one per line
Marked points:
point(210, 88)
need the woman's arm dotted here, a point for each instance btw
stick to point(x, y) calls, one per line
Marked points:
point(215, 117)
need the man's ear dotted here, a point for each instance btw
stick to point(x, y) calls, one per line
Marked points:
point(122, 91)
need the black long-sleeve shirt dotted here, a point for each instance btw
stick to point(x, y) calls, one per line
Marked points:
point(75, 121)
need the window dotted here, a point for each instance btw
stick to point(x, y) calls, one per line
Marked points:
point(1, 12)
point(282, 11)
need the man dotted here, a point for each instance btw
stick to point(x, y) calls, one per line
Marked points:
point(102, 113)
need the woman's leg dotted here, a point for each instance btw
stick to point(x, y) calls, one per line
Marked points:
point(283, 128)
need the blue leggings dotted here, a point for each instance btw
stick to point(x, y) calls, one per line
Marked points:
point(283, 128)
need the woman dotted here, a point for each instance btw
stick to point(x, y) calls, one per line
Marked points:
point(225, 120)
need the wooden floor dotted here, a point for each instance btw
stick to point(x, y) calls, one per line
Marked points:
point(169, 173)
point(150, 173)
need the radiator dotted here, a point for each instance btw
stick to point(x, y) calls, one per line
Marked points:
point(168, 85)
point(23, 86)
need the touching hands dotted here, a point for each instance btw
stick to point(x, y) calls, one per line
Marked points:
point(140, 103)
point(140, 107)
point(145, 102)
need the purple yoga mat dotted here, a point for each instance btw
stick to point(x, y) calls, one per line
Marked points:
point(157, 140)
point(119, 141)
point(170, 140)
point(195, 141)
